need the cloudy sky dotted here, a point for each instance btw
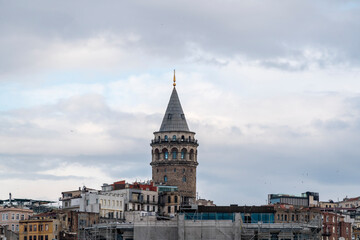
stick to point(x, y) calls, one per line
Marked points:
point(272, 89)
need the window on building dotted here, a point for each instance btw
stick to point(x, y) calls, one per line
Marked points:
point(25, 228)
point(174, 138)
point(175, 208)
point(25, 237)
point(169, 116)
point(30, 237)
point(183, 170)
point(166, 138)
point(34, 237)
point(166, 155)
point(153, 208)
point(6, 216)
point(182, 154)
point(12, 227)
point(169, 209)
point(35, 227)
point(46, 237)
point(285, 217)
point(174, 169)
point(148, 208)
point(174, 154)
point(22, 217)
point(13, 216)
point(176, 199)
point(169, 199)
point(184, 179)
point(41, 227)
point(17, 216)
point(30, 228)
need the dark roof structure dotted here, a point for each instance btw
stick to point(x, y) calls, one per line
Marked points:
point(174, 119)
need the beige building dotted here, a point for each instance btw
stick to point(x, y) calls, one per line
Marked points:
point(329, 204)
point(350, 203)
point(10, 216)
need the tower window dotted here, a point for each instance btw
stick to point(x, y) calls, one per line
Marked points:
point(183, 170)
point(169, 116)
point(174, 138)
point(184, 179)
point(165, 138)
point(183, 154)
point(182, 138)
point(174, 169)
point(166, 155)
point(174, 154)
point(165, 178)
point(182, 116)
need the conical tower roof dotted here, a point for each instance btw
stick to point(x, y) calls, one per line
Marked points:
point(174, 119)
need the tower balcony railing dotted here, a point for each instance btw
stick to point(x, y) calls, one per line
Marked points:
point(174, 141)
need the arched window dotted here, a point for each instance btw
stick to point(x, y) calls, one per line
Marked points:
point(165, 178)
point(183, 154)
point(174, 154)
point(174, 169)
point(158, 138)
point(182, 138)
point(191, 154)
point(184, 179)
point(174, 138)
point(166, 138)
point(189, 138)
point(157, 154)
point(166, 154)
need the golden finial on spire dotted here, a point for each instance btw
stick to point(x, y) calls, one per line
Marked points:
point(174, 84)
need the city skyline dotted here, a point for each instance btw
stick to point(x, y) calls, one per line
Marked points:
point(271, 90)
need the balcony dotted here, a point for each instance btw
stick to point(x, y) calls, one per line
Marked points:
point(185, 141)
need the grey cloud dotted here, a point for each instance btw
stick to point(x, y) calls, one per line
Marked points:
point(257, 30)
point(334, 124)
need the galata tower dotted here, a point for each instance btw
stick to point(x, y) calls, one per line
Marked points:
point(174, 151)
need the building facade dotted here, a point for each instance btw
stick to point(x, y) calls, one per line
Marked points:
point(10, 216)
point(174, 152)
point(307, 199)
point(334, 227)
